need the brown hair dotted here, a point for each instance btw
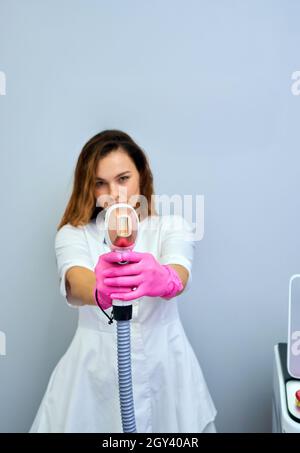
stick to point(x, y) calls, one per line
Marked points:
point(81, 207)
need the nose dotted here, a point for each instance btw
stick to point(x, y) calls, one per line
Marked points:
point(118, 193)
point(110, 197)
point(114, 193)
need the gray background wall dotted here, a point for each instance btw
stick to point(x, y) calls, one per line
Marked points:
point(205, 89)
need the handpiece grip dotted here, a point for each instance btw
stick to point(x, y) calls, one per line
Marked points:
point(122, 309)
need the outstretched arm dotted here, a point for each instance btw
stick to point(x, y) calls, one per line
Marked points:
point(182, 273)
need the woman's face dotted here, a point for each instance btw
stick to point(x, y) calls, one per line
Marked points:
point(117, 179)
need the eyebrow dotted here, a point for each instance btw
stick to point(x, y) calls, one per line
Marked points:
point(120, 174)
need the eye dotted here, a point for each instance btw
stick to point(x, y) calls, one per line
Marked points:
point(124, 178)
point(99, 183)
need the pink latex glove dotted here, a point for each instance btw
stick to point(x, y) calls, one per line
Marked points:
point(146, 274)
point(107, 261)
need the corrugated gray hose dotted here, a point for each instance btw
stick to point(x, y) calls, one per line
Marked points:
point(125, 378)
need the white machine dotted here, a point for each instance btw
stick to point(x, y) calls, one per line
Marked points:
point(286, 412)
point(286, 383)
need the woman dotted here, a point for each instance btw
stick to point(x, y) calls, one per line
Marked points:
point(169, 390)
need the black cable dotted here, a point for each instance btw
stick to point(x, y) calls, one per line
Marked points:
point(98, 303)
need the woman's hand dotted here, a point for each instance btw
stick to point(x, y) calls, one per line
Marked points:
point(142, 276)
point(107, 261)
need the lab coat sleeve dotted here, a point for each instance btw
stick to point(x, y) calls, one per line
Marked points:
point(71, 249)
point(177, 243)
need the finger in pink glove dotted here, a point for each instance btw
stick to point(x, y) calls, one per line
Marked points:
point(107, 261)
point(146, 274)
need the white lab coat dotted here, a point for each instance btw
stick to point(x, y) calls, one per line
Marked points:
point(169, 389)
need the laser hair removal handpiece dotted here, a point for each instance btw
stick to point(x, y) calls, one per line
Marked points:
point(121, 232)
